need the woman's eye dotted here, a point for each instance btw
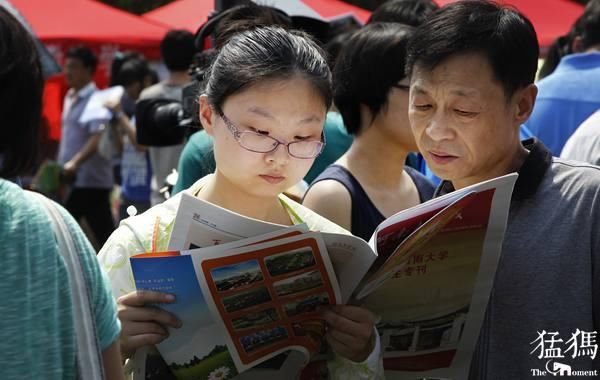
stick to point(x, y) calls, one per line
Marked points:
point(302, 137)
point(259, 131)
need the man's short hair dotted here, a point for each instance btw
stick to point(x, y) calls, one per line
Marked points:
point(589, 25)
point(85, 55)
point(134, 70)
point(502, 34)
point(177, 50)
point(408, 12)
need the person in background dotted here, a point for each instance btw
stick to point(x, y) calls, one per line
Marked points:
point(37, 331)
point(177, 51)
point(370, 182)
point(91, 173)
point(571, 93)
point(406, 12)
point(584, 144)
point(472, 67)
point(136, 171)
point(265, 103)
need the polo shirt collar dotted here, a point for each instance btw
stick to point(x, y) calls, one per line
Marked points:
point(531, 172)
point(579, 61)
point(83, 92)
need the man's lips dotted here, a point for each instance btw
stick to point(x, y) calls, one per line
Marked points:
point(441, 157)
point(272, 178)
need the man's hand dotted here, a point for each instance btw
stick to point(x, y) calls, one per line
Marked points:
point(350, 331)
point(70, 169)
point(142, 324)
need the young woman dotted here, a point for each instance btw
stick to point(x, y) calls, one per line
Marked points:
point(266, 98)
point(370, 182)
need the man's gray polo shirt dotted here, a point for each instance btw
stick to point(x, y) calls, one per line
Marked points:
point(548, 277)
point(96, 172)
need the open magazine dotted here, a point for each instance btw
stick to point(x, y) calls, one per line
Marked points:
point(249, 292)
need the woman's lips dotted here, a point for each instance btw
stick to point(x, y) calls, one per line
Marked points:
point(272, 179)
point(441, 158)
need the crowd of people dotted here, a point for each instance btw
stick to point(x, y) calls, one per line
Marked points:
point(337, 131)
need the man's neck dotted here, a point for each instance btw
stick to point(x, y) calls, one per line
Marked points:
point(80, 87)
point(178, 78)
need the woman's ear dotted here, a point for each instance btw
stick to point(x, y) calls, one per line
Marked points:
point(207, 115)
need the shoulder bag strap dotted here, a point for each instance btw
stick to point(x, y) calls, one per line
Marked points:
point(89, 359)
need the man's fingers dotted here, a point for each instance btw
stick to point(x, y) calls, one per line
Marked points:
point(339, 347)
point(148, 314)
point(143, 297)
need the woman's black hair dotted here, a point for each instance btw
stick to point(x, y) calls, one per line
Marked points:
point(20, 98)
point(369, 65)
point(267, 53)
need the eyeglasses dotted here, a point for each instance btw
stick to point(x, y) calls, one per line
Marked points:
point(259, 143)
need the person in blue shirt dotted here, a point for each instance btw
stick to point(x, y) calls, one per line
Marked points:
point(571, 93)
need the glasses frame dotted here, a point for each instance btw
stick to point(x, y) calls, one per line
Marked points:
point(237, 134)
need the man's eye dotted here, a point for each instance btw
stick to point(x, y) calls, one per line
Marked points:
point(422, 107)
point(465, 113)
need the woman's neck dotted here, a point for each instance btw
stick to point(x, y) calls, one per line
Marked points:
point(220, 191)
point(376, 159)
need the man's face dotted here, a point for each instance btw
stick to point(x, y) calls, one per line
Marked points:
point(463, 124)
point(76, 74)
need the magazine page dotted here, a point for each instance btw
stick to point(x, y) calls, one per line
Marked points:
point(266, 296)
point(432, 307)
point(202, 224)
point(184, 351)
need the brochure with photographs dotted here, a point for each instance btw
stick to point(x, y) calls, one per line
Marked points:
point(249, 292)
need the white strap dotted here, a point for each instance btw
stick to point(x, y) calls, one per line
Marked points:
point(89, 359)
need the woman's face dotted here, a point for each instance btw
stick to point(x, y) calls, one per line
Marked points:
point(287, 110)
point(394, 117)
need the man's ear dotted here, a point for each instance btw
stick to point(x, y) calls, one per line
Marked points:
point(525, 102)
point(207, 115)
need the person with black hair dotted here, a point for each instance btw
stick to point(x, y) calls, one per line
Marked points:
point(571, 93)
point(407, 12)
point(177, 51)
point(38, 325)
point(265, 102)
point(135, 169)
point(472, 67)
point(370, 181)
point(91, 173)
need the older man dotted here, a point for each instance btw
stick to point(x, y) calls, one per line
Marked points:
point(472, 67)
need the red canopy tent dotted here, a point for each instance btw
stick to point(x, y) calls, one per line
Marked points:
point(190, 14)
point(61, 24)
point(551, 18)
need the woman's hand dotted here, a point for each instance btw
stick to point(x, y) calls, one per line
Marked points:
point(142, 324)
point(350, 331)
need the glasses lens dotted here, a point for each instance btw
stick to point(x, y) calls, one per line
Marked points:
point(306, 149)
point(257, 142)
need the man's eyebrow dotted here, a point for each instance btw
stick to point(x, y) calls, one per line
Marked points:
point(311, 119)
point(464, 92)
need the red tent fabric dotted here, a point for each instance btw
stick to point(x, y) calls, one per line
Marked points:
point(61, 24)
point(551, 18)
point(190, 14)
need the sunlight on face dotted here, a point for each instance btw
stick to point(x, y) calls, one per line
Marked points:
point(288, 110)
point(462, 122)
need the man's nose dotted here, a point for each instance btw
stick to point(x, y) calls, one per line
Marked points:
point(438, 128)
